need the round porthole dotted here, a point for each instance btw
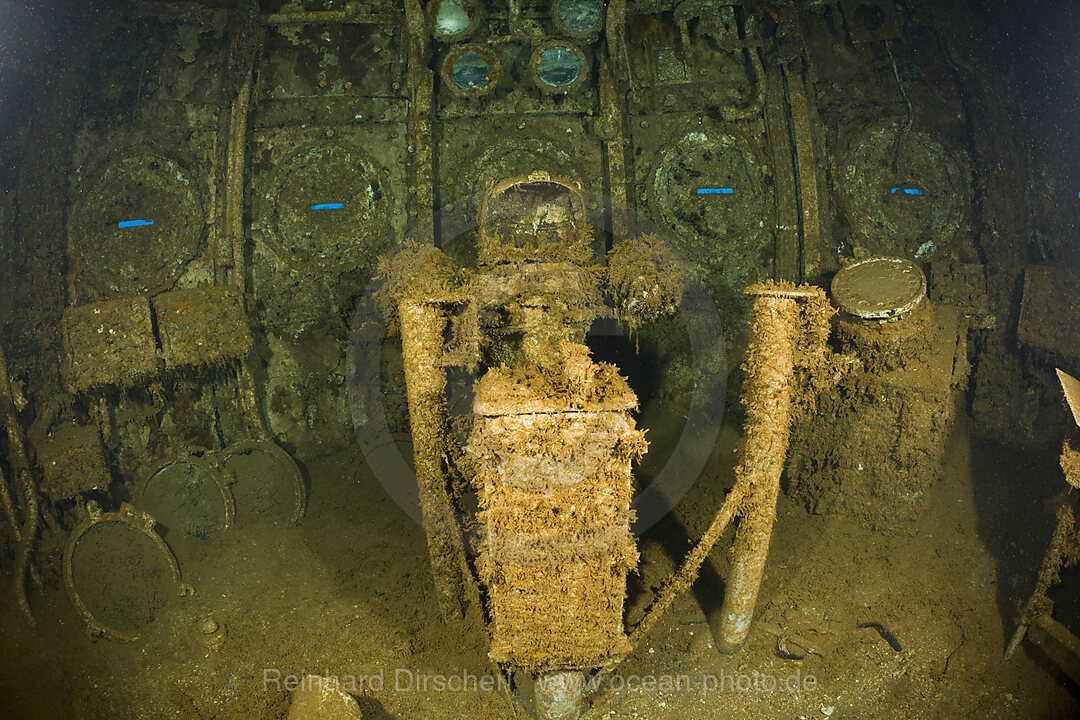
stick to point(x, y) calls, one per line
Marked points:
point(558, 67)
point(265, 481)
point(579, 18)
point(453, 20)
point(189, 500)
point(119, 572)
point(472, 70)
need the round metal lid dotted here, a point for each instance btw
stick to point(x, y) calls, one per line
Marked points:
point(879, 288)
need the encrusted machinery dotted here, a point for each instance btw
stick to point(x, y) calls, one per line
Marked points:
point(552, 440)
point(1037, 621)
point(877, 443)
point(304, 141)
point(224, 225)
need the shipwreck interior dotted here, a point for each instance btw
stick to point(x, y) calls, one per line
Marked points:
point(562, 359)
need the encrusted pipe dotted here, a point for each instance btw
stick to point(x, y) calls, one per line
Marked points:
point(802, 312)
point(559, 695)
point(251, 43)
point(1064, 551)
point(756, 105)
point(24, 479)
point(806, 167)
point(422, 328)
point(9, 508)
point(767, 394)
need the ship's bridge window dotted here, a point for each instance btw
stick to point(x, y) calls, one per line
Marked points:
point(579, 16)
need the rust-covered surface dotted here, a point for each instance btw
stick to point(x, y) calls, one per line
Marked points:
point(879, 288)
point(201, 326)
point(789, 328)
point(422, 327)
point(849, 459)
point(108, 343)
point(72, 462)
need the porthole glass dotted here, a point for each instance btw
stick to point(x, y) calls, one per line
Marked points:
point(471, 70)
point(452, 17)
point(580, 15)
point(558, 66)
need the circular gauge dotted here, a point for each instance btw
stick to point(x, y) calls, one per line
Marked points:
point(903, 192)
point(707, 187)
point(332, 209)
point(118, 572)
point(188, 499)
point(557, 67)
point(578, 17)
point(453, 20)
point(472, 70)
point(879, 288)
point(266, 482)
point(136, 226)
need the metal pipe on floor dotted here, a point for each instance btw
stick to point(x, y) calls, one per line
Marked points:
point(560, 695)
point(767, 394)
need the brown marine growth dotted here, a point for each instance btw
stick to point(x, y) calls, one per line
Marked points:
point(646, 279)
point(418, 282)
point(787, 362)
point(534, 217)
point(552, 439)
point(552, 455)
point(788, 329)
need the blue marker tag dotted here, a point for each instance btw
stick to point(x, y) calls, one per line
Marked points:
point(133, 223)
point(906, 191)
point(328, 206)
point(716, 191)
